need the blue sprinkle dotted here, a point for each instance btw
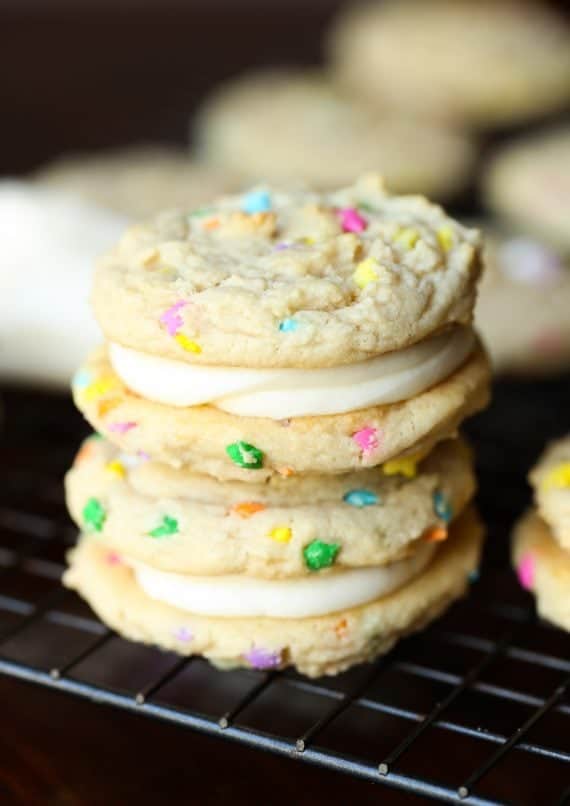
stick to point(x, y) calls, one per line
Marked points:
point(473, 576)
point(288, 326)
point(442, 507)
point(360, 498)
point(257, 201)
point(81, 379)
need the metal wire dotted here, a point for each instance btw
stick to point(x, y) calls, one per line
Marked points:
point(24, 615)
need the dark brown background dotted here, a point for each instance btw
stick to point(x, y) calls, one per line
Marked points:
point(88, 74)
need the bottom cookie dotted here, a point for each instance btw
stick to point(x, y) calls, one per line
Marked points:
point(543, 568)
point(315, 646)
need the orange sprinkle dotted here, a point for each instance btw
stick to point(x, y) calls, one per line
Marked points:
point(286, 471)
point(212, 223)
point(245, 509)
point(437, 534)
point(86, 450)
point(341, 628)
point(105, 406)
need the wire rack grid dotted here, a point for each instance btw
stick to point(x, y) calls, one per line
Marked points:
point(487, 686)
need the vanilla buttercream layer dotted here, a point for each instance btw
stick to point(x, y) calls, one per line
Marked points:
point(282, 393)
point(211, 441)
point(321, 645)
point(241, 596)
point(260, 530)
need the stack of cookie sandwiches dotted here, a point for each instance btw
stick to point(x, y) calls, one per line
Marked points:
point(276, 477)
point(541, 541)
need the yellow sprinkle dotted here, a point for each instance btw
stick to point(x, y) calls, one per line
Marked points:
point(281, 534)
point(149, 256)
point(365, 272)
point(404, 466)
point(407, 237)
point(557, 477)
point(116, 468)
point(445, 238)
point(98, 388)
point(187, 344)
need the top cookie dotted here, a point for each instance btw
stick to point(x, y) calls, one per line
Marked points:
point(551, 482)
point(299, 279)
point(272, 125)
point(479, 62)
point(528, 182)
point(137, 181)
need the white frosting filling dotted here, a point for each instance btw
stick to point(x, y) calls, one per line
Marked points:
point(282, 393)
point(314, 595)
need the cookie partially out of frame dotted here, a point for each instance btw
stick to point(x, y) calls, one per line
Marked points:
point(523, 304)
point(551, 482)
point(315, 646)
point(482, 63)
point(180, 521)
point(543, 567)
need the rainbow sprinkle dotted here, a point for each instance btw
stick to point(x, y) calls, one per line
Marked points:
point(168, 526)
point(261, 659)
point(360, 498)
point(257, 201)
point(94, 515)
point(122, 428)
point(366, 439)
point(442, 507)
point(171, 319)
point(245, 455)
point(318, 555)
point(187, 344)
point(288, 325)
point(526, 571)
point(351, 220)
point(281, 534)
point(245, 509)
point(365, 273)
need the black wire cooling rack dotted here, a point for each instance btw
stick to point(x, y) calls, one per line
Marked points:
point(476, 709)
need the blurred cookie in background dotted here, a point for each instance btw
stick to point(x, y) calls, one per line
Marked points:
point(482, 63)
point(282, 126)
point(137, 181)
point(524, 304)
point(49, 244)
point(528, 183)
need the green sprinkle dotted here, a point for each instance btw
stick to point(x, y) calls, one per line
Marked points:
point(245, 455)
point(168, 526)
point(318, 554)
point(368, 208)
point(94, 515)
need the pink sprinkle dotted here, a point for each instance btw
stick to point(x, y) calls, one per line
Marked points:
point(366, 439)
point(525, 571)
point(351, 220)
point(113, 558)
point(171, 319)
point(143, 456)
point(263, 658)
point(122, 428)
point(183, 634)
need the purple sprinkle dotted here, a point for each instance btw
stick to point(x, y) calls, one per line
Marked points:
point(171, 319)
point(183, 634)
point(262, 658)
point(281, 246)
point(144, 456)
